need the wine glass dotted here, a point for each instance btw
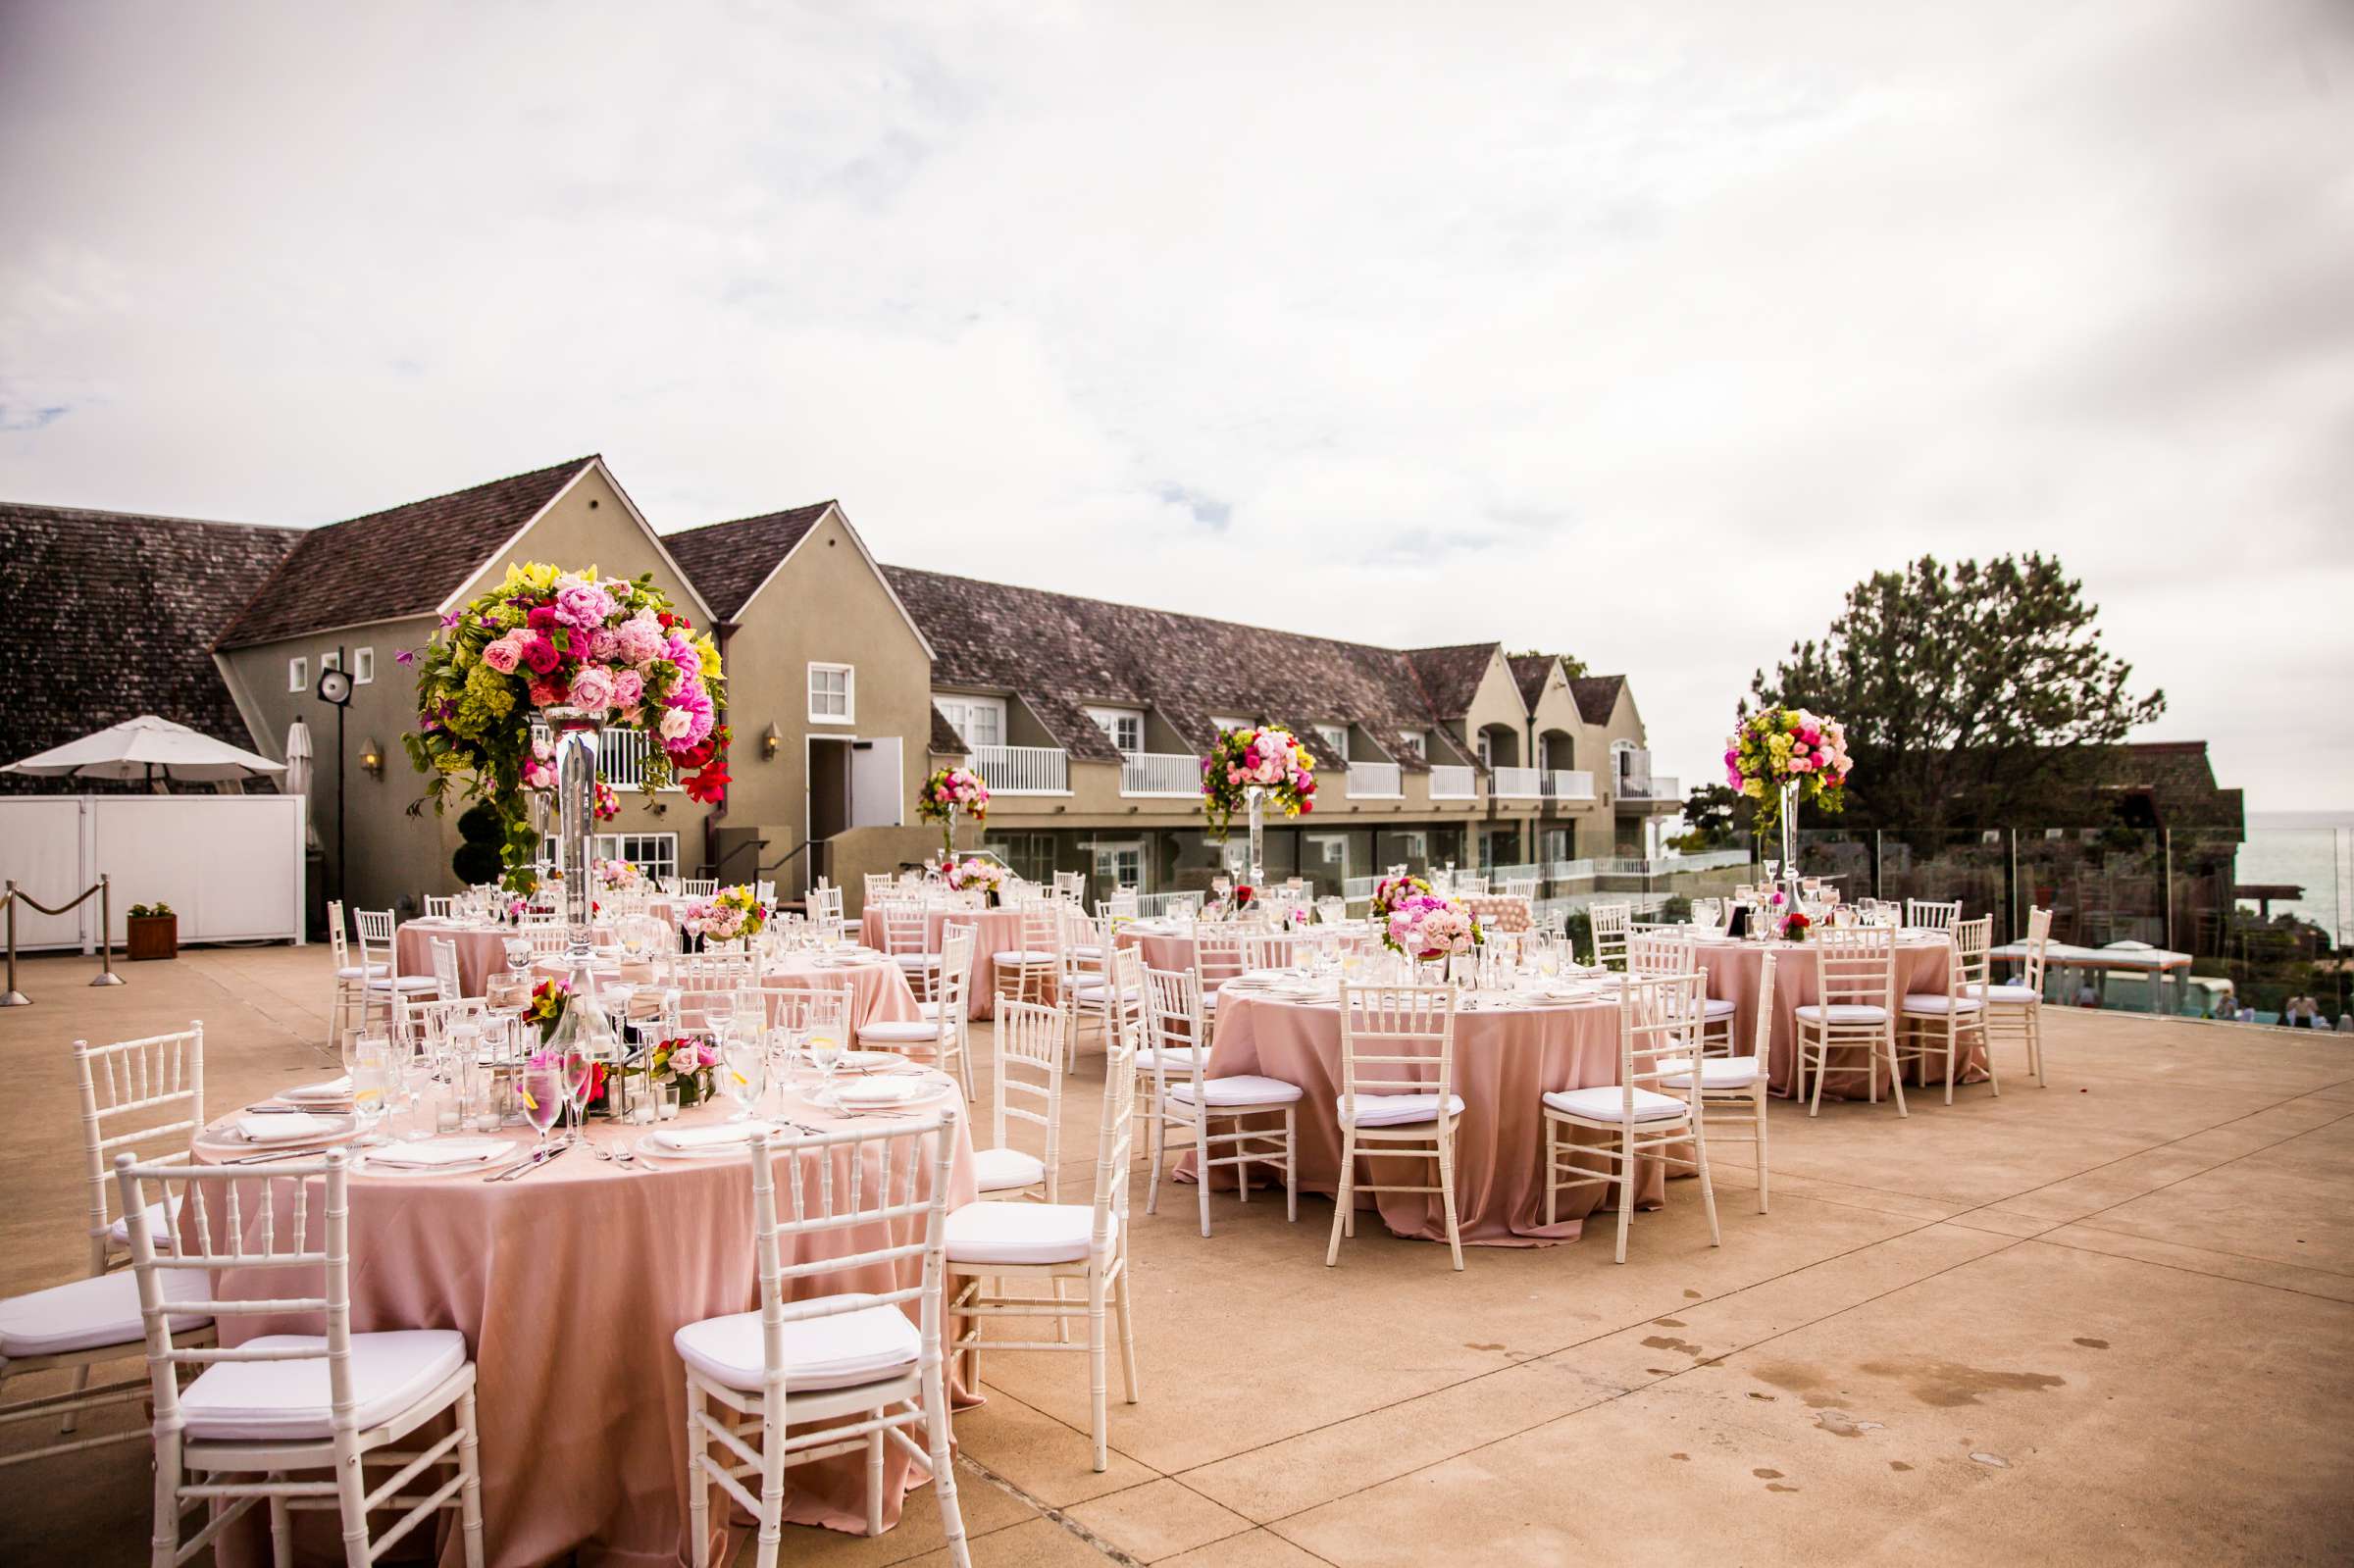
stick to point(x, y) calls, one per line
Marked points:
point(369, 1061)
point(744, 1070)
point(539, 1086)
point(827, 1020)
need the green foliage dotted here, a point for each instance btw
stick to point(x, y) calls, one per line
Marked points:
point(1575, 668)
point(1708, 820)
point(477, 863)
point(481, 824)
point(1973, 695)
point(150, 910)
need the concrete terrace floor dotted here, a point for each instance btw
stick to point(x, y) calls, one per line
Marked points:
point(2105, 1321)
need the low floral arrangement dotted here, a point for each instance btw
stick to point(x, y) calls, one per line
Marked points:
point(946, 793)
point(975, 874)
point(1777, 746)
point(546, 1010)
point(1796, 926)
point(609, 649)
point(608, 802)
point(1428, 926)
point(618, 874)
point(1270, 759)
point(686, 1062)
point(729, 915)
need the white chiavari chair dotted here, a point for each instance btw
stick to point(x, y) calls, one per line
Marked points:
point(1213, 1109)
point(942, 1036)
point(880, 885)
point(438, 907)
point(1026, 1091)
point(1070, 885)
point(2014, 1011)
point(1613, 923)
point(384, 989)
point(1217, 959)
point(826, 918)
point(260, 1415)
point(1944, 1025)
point(808, 1377)
point(1654, 951)
point(1853, 1007)
point(1922, 914)
point(1122, 904)
point(1115, 997)
point(549, 938)
point(907, 941)
point(1267, 948)
point(351, 978)
point(699, 886)
point(1467, 883)
point(1520, 886)
point(1655, 1034)
point(1028, 972)
point(1734, 1082)
point(1052, 1242)
point(447, 984)
point(1396, 1095)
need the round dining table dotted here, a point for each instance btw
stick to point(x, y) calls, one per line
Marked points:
point(878, 987)
point(996, 931)
point(1735, 968)
point(568, 1283)
point(1509, 1054)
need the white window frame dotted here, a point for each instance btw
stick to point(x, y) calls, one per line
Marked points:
point(1110, 720)
point(363, 666)
point(1227, 726)
point(1480, 744)
point(961, 712)
point(1108, 857)
point(850, 693)
point(298, 673)
point(332, 659)
point(1335, 740)
point(1419, 739)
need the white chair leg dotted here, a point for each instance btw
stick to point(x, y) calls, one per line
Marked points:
point(1345, 1204)
point(1290, 1165)
point(1552, 1173)
point(470, 1481)
point(1626, 1191)
point(874, 1484)
point(1455, 1235)
point(1707, 1188)
point(1097, 1373)
point(1127, 1326)
point(282, 1530)
point(771, 1537)
point(943, 1464)
point(698, 1484)
point(1757, 1098)
point(1157, 1137)
point(1200, 1127)
point(1896, 1072)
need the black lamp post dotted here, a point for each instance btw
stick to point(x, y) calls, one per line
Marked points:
point(335, 686)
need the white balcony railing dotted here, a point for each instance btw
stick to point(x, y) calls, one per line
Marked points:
point(620, 756)
point(1569, 870)
point(1023, 769)
point(1650, 786)
point(1513, 783)
point(1452, 783)
point(1161, 772)
point(1561, 784)
point(1375, 780)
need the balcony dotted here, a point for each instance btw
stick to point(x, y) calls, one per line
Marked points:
point(1562, 784)
point(1375, 780)
point(1516, 784)
point(620, 756)
point(1452, 783)
point(1647, 789)
point(1159, 772)
point(1024, 770)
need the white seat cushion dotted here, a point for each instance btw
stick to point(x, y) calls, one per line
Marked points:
point(1176, 1058)
point(915, 1032)
point(1844, 1013)
point(160, 1224)
point(1939, 1006)
point(1608, 1103)
point(1242, 1088)
point(1718, 1007)
point(915, 960)
point(245, 1402)
point(83, 1314)
point(404, 982)
point(355, 971)
point(1210, 1001)
point(2009, 995)
point(1399, 1110)
point(1715, 1072)
point(990, 1231)
point(1022, 958)
point(930, 1009)
point(999, 1170)
point(1086, 950)
point(862, 1343)
point(1099, 990)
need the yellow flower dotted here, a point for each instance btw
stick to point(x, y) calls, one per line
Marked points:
point(1754, 787)
point(709, 651)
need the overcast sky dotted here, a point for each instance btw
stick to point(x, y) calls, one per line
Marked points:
point(1639, 332)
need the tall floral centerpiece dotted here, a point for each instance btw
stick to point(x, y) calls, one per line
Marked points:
point(729, 915)
point(578, 654)
point(1426, 925)
point(1778, 757)
point(949, 791)
point(1247, 768)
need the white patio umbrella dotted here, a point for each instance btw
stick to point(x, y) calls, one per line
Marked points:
point(297, 780)
point(150, 748)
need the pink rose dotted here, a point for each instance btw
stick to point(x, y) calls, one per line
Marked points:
point(592, 690)
point(502, 656)
point(540, 654)
point(629, 688)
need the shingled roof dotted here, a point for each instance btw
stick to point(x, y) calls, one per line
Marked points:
point(727, 562)
point(1530, 672)
point(112, 614)
point(1451, 676)
point(1597, 695)
point(401, 562)
point(1059, 653)
point(946, 742)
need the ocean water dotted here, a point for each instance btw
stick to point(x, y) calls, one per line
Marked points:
point(2310, 849)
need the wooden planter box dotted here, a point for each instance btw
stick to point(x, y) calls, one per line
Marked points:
point(152, 937)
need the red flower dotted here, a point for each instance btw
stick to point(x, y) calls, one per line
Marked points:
point(697, 755)
point(666, 617)
point(710, 787)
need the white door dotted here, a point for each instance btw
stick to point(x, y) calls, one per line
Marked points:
point(878, 793)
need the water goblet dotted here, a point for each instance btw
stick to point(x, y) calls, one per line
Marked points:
point(539, 1086)
point(744, 1070)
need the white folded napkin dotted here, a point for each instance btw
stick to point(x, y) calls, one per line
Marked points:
point(892, 1090)
point(283, 1127)
point(325, 1093)
point(426, 1153)
point(718, 1138)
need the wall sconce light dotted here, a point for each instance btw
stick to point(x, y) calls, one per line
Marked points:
point(769, 741)
point(372, 758)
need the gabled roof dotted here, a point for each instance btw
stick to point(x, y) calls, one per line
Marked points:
point(1597, 696)
point(1530, 672)
point(727, 562)
point(111, 616)
point(946, 742)
point(1059, 653)
point(400, 562)
point(1451, 676)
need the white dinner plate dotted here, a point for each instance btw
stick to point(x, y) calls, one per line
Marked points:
point(447, 1156)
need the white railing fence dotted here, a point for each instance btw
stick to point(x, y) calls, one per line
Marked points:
point(1023, 769)
point(1563, 783)
point(1451, 783)
point(1159, 772)
point(1375, 780)
point(1513, 783)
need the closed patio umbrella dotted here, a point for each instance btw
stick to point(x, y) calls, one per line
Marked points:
point(297, 780)
point(150, 748)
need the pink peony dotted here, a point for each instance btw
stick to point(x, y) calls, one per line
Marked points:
point(585, 606)
point(629, 688)
point(640, 640)
point(592, 690)
point(681, 652)
point(502, 655)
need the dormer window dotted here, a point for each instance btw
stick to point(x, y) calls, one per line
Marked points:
point(1336, 740)
point(1124, 728)
point(1417, 742)
point(1227, 725)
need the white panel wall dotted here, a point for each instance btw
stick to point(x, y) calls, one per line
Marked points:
point(229, 866)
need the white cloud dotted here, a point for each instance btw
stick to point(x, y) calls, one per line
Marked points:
point(1640, 335)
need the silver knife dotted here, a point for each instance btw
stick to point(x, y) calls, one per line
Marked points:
point(553, 1155)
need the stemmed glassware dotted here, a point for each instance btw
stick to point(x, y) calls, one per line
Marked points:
point(369, 1061)
point(743, 1068)
point(539, 1086)
point(829, 1028)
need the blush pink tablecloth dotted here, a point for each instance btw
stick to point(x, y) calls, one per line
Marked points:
point(568, 1284)
point(1504, 1063)
point(998, 931)
point(481, 951)
point(1164, 951)
point(1733, 970)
